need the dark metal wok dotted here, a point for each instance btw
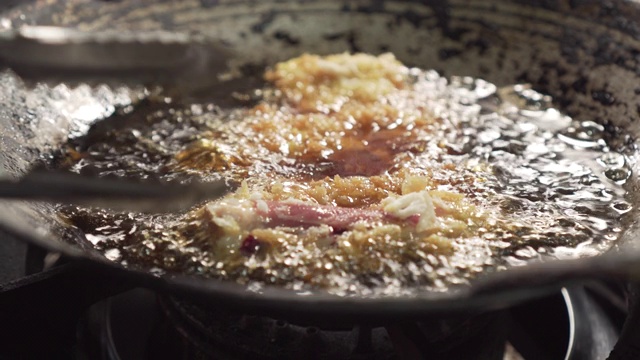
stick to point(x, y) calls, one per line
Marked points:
point(583, 53)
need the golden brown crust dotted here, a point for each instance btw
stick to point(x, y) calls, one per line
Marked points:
point(368, 110)
point(323, 84)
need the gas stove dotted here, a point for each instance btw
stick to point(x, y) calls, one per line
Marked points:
point(46, 311)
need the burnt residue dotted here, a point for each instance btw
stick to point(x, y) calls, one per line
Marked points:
point(603, 97)
point(209, 3)
point(484, 70)
point(349, 36)
point(286, 37)
point(594, 7)
point(619, 15)
point(618, 138)
point(553, 5)
point(561, 71)
point(633, 57)
point(410, 17)
point(264, 22)
point(609, 51)
point(352, 42)
point(448, 53)
point(413, 50)
point(441, 9)
point(373, 6)
point(580, 85)
point(571, 46)
point(552, 71)
point(575, 4)
point(480, 43)
point(334, 36)
point(253, 69)
point(524, 78)
point(457, 33)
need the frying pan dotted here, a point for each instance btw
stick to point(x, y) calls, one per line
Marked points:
point(583, 53)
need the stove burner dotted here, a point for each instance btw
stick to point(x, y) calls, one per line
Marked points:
point(219, 333)
point(142, 325)
point(582, 323)
point(224, 335)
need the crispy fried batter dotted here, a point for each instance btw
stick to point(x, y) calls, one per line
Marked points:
point(367, 113)
point(339, 131)
point(314, 83)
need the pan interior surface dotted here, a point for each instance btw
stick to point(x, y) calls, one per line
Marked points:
point(590, 77)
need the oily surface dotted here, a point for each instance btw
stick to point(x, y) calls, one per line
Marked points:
point(361, 176)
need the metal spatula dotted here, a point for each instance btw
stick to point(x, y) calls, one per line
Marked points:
point(114, 194)
point(181, 61)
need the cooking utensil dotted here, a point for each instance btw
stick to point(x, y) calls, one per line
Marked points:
point(114, 194)
point(179, 62)
point(582, 53)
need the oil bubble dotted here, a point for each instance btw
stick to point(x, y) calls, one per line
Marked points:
point(618, 175)
point(527, 100)
point(612, 160)
point(622, 207)
point(590, 130)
